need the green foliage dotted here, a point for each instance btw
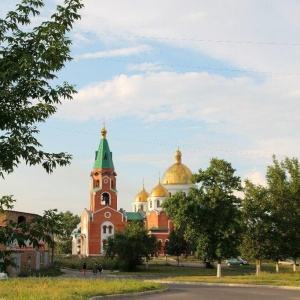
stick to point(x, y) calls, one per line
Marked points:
point(69, 222)
point(29, 60)
point(177, 244)
point(259, 233)
point(131, 246)
point(210, 214)
point(283, 180)
point(75, 262)
point(272, 213)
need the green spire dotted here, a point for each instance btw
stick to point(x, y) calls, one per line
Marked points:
point(103, 155)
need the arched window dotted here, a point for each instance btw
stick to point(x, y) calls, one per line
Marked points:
point(110, 229)
point(97, 183)
point(158, 203)
point(105, 198)
point(104, 229)
point(150, 204)
point(142, 207)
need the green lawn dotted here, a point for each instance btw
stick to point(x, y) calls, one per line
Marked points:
point(230, 275)
point(68, 288)
point(49, 288)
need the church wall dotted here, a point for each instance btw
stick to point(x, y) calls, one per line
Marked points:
point(96, 234)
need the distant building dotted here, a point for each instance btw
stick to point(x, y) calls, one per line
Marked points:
point(103, 218)
point(27, 258)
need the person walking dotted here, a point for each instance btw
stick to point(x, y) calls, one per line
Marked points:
point(84, 269)
point(95, 269)
point(100, 269)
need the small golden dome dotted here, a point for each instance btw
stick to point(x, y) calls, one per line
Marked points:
point(159, 191)
point(103, 132)
point(178, 173)
point(142, 196)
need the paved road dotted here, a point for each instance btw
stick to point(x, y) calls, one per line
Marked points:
point(196, 291)
point(204, 292)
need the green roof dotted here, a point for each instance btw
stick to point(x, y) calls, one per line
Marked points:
point(157, 229)
point(103, 157)
point(133, 216)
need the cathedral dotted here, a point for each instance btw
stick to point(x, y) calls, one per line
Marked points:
point(103, 218)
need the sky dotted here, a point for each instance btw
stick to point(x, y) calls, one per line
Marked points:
point(212, 78)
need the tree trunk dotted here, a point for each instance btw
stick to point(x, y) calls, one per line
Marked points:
point(177, 261)
point(147, 264)
point(294, 266)
point(258, 266)
point(52, 256)
point(277, 267)
point(219, 268)
point(208, 265)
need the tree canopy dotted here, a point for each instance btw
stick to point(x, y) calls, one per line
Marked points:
point(131, 246)
point(29, 61)
point(69, 222)
point(272, 213)
point(210, 213)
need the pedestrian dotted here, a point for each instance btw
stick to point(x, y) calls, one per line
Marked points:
point(95, 269)
point(84, 269)
point(100, 269)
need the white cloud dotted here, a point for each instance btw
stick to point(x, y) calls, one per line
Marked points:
point(116, 52)
point(145, 67)
point(210, 27)
point(256, 177)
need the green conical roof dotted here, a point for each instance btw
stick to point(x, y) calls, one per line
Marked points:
point(103, 155)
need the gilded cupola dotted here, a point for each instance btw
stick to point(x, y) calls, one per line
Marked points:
point(159, 191)
point(142, 196)
point(178, 173)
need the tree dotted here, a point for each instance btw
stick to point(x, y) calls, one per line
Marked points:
point(283, 180)
point(259, 236)
point(177, 244)
point(64, 239)
point(29, 62)
point(30, 233)
point(210, 213)
point(272, 214)
point(131, 246)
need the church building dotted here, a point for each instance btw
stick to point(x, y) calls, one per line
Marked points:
point(103, 218)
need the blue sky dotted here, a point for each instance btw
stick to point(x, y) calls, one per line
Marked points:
point(214, 78)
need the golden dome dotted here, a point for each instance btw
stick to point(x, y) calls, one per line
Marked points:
point(142, 196)
point(159, 191)
point(178, 173)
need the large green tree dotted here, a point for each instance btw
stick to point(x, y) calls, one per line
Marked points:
point(131, 246)
point(30, 59)
point(272, 214)
point(260, 238)
point(210, 213)
point(177, 244)
point(64, 239)
point(283, 180)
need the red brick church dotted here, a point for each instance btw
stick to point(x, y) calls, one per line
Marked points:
point(103, 218)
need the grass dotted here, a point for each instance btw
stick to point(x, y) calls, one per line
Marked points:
point(44, 287)
point(230, 275)
point(68, 288)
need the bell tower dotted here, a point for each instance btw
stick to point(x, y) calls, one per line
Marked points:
point(103, 190)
